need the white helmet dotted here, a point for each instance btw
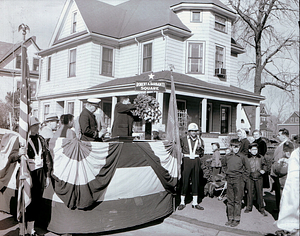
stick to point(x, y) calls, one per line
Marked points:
point(193, 126)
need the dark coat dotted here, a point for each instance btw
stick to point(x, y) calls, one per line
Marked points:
point(262, 146)
point(88, 126)
point(123, 120)
point(244, 148)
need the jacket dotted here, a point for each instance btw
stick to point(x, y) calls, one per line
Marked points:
point(236, 165)
point(257, 163)
point(88, 126)
point(262, 146)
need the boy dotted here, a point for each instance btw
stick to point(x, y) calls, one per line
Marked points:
point(237, 169)
point(215, 160)
point(255, 183)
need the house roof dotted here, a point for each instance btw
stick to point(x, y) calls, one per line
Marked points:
point(129, 18)
point(181, 80)
point(10, 48)
point(4, 48)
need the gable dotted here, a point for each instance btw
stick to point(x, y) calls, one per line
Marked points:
point(72, 24)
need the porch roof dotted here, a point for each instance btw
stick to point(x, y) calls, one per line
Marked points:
point(182, 82)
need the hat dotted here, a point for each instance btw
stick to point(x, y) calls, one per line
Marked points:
point(51, 117)
point(193, 126)
point(33, 121)
point(235, 142)
point(216, 143)
point(94, 101)
point(251, 145)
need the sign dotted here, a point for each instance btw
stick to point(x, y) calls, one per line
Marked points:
point(156, 86)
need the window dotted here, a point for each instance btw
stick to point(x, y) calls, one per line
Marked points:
point(195, 16)
point(74, 22)
point(220, 23)
point(225, 119)
point(195, 58)
point(71, 108)
point(107, 61)
point(292, 119)
point(296, 119)
point(219, 63)
point(147, 57)
point(35, 65)
point(46, 110)
point(18, 62)
point(72, 63)
point(49, 69)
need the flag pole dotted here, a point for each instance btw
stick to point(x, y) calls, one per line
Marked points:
point(23, 131)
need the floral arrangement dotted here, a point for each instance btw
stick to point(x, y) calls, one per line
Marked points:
point(147, 108)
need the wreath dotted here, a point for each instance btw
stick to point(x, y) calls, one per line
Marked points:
point(147, 108)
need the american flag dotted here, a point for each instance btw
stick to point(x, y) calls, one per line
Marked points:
point(173, 126)
point(25, 183)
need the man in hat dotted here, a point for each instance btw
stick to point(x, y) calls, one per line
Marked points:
point(123, 121)
point(40, 166)
point(50, 127)
point(88, 123)
point(192, 148)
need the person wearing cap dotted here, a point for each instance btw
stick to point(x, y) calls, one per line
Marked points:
point(255, 182)
point(279, 164)
point(88, 123)
point(123, 120)
point(237, 170)
point(155, 134)
point(192, 147)
point(215, 160)
point(50, 127)
point(40, 166)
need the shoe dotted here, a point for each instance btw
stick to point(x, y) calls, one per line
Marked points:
point(229, 222)
point(234, 223)
point(198, 207)
point(263, 213)
point(247, 211)
point(181, 207)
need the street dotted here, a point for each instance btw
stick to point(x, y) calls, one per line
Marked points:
point(209, 222)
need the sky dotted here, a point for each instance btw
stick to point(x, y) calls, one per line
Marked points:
point(42, 16)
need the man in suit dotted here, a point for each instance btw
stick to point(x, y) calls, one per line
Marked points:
point(88, 123)
point(123, 121)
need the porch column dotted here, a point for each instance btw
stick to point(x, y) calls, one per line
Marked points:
point(160, 99)
point(114, 101)
point(204, 115)
point(238, 116)
point(257, 118)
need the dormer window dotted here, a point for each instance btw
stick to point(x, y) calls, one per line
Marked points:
point(195, 16)
point(220, 23)
point(74, 22)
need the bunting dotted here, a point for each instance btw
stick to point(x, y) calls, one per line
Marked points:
point(25, 183)
point(173, 127)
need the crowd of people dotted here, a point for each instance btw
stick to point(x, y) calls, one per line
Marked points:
point(244, 164)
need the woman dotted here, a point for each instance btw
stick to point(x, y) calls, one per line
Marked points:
point(242, 137)
point(65, 131)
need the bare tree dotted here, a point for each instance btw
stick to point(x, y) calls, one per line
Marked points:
point(257, 29)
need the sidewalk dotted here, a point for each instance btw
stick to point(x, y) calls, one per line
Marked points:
point(189, 221)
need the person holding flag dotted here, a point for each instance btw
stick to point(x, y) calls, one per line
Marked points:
point(39, 163)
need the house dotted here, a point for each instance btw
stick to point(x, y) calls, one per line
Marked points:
point(10, 67)
point(291, 124)
point(100, 50)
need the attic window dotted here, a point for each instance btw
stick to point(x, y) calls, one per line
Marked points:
point(74, 22)
point(220, 23)
point(35, 66)
point(195, 16)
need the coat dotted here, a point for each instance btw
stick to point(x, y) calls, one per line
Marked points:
point(123, 120)
point(88, 126)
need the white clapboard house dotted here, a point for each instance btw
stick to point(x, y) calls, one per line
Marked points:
point(100, 50)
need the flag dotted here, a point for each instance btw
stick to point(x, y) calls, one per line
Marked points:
point(173, 126)
point(25, 182)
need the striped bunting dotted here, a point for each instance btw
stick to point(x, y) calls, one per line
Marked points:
point(87, 172)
